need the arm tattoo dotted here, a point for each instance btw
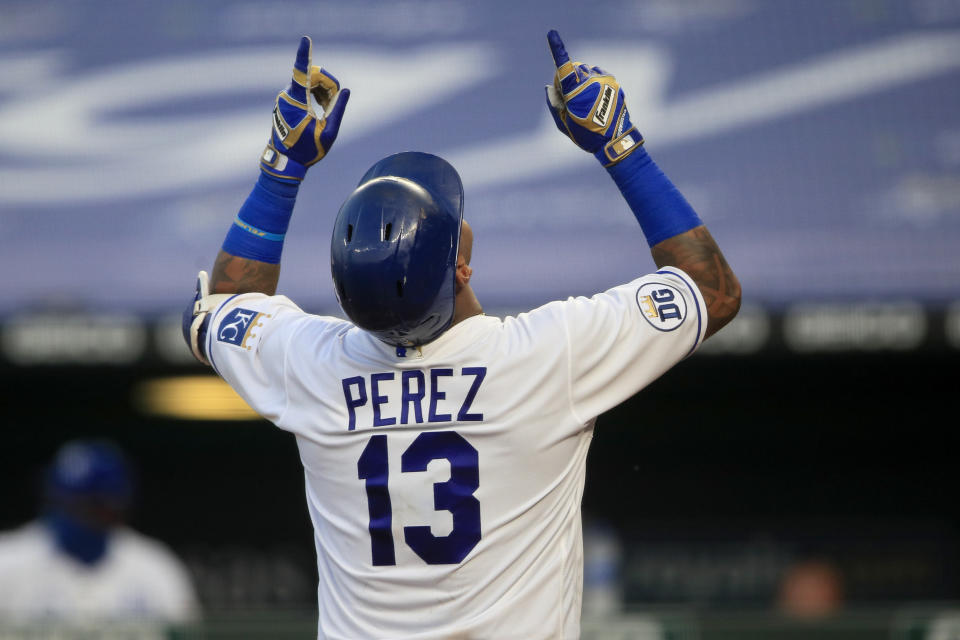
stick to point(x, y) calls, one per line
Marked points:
point(696, 252)
point(242, 275)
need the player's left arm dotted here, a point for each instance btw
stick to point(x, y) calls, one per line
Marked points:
point(696, 252)
point(588, 106)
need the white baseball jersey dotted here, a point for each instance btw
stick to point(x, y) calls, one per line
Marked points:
point(444, 483)
point(137, 579)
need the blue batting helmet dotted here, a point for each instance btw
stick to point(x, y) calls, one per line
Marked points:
point(394, 250)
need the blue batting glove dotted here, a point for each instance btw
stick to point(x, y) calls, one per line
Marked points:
point(588, 106)
point(306, 119)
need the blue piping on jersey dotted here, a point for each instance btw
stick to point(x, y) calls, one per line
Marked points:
point(213, 365)
point(694, 291)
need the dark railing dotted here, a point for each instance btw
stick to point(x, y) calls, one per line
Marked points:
point(899, 622)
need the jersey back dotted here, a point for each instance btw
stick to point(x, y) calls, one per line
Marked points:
point(444, 483)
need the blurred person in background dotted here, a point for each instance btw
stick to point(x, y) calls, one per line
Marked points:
point(78, 563)
point(944, 626)
point(810, 589)
point(602, 566)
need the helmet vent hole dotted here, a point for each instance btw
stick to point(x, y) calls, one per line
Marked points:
point(399, 288)
point(386, 231)
point(349, 232)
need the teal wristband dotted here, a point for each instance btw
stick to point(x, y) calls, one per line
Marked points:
point(258, 231)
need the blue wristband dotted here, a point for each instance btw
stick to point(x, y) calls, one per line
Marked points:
point(258, 230)
point(658, 205)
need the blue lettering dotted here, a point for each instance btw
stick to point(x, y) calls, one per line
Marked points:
point(478, 373)
point(662, 295)
point(408, 398)
point(379, 399)
point(383, 397)
point(352, 403)
point(436, 395)
point(668, 312)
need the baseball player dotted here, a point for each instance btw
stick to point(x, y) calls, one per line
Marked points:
point(78, 565)
point(444, 450)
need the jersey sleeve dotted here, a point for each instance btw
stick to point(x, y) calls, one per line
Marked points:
point(246, 344)
point(624, 338)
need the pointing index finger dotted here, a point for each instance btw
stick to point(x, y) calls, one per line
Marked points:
point(301, 67)
point(560, 56)
point(303, 55)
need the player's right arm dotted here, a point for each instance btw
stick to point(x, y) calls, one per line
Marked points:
point(306, 120)
point(588, 106)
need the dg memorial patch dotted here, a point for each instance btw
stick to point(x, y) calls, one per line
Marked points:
point(662, 305)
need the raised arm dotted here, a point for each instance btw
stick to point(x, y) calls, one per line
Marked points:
point(696, 252)
point(306, 119)
point(233, 274)
point(588, 106)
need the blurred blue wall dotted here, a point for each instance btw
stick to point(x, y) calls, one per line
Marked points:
point(819, 140)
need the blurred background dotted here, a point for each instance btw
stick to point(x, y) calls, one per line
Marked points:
point(790, 480)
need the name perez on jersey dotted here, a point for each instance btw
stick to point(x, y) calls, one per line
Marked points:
point(413, 396)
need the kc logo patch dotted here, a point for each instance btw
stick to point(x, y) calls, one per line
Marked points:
point(236, 327)
point(662, 305)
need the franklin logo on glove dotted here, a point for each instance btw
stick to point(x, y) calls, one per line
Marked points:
point(585, 103)
point(278, 124)
point(306, 119)
point(604, 110)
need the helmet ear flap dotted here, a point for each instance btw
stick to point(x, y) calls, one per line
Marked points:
point(393, 255)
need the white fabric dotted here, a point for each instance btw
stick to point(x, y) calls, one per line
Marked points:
point(137, 579)
point(547, 375)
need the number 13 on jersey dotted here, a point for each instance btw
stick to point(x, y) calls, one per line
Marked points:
point(455, 495)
